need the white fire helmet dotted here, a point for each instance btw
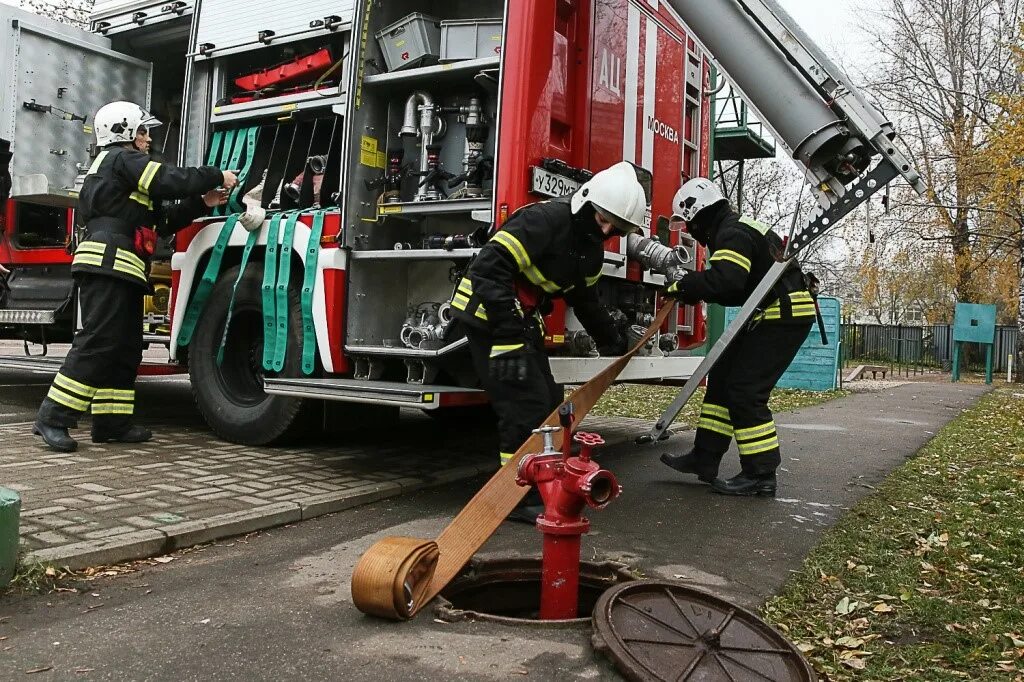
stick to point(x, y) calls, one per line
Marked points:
point(693, 197)
point(118, 122)
point(621, 193)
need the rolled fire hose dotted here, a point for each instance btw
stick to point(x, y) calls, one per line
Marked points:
point(398, 576)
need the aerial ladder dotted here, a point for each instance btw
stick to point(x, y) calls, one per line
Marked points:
point(846, 147)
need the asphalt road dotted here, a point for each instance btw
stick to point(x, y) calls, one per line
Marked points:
point(276, 605)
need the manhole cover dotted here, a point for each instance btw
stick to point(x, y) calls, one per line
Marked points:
point(660, 630)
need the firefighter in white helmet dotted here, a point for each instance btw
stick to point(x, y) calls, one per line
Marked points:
point(550, 249)
point(740, 383)
point(121, 205)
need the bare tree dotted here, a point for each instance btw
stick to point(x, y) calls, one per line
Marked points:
point(944, 64)
point(772, 192)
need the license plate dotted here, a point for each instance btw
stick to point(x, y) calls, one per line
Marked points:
point(550, 184)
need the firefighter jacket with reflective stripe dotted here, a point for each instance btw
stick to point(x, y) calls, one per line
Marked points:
point(542, 252)
point(123, 193)
point(742, 252)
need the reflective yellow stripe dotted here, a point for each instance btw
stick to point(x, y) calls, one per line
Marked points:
point(67, 400)
point(87, 259)
point(131, 258)
point(147, 176)
point(97, 163)
point(112, 408)
point(92, 247)
point(459, 301)
point(514, 247)
point(142, 199)
point(114, 394)
point(480, 312)
point(69, 384)
point(535, 276)
point(800, 297)
point(118, 267)
point(591, 281)
point(715, 410)
point(506, 457)
point(758, 447)
point(497, 350)
point(755, 224)
point(755, 431)
point(713, 425)
point(733, 257)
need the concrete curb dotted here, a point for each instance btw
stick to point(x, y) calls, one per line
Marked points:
point(164, 539)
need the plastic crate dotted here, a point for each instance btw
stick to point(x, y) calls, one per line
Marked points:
point(411, 41)
point(470, 39)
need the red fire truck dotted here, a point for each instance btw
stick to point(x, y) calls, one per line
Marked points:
point(382, 141)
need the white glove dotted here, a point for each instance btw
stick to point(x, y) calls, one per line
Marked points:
point(255, 214)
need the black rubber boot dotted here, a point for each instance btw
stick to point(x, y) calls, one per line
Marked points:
point(746, 485)
point(528, 509)
point(688, 464)
point(55, 436)
point(130, 434)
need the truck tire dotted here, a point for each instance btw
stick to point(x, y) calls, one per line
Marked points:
point(230, 396)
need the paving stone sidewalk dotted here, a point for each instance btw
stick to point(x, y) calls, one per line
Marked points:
point(104, 504)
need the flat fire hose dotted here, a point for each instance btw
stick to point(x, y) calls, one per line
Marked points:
point(308, 288)
point(398, 576)
point(267, 292)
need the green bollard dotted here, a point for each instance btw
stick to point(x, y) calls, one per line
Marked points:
point(10, 510)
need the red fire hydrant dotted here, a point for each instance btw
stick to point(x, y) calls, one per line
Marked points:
point(567, 484)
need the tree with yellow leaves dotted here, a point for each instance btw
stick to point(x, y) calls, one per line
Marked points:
point(1002, 164)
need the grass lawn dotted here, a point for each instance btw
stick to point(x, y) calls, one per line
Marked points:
point(648, 402)
point(924, 579)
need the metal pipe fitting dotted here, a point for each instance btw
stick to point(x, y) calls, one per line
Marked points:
point(411, 122)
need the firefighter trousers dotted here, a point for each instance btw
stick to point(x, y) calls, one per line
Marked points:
point(101, 367)
point(521, 406)
point(736, 400)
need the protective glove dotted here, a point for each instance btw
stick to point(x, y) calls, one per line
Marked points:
point(677, 290)
point(509, 362)
point(254, 215)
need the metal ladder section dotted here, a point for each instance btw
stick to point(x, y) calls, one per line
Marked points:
point(872, 182)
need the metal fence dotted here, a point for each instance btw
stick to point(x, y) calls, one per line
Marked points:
point(925, 347)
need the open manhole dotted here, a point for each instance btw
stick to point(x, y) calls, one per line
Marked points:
point(508, 591)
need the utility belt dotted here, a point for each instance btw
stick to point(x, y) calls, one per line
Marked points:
point(143, 238)
point(530, 302)
point(789, 300)
point(114, 248)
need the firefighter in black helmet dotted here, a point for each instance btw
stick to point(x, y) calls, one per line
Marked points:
point(548, 249)
point(121, 207)
point(740, 383)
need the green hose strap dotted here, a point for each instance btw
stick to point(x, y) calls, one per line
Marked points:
point(267, 290)
point(225, 151)
point(205, 286)
point(284, 271)
point(211, 159)
point(233, 160)
point(308, 287)
point(235, 203)
point(250, 242)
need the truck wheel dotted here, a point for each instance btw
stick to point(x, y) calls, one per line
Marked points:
point(230, 395)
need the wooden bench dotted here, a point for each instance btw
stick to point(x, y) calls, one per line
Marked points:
point(859, 372)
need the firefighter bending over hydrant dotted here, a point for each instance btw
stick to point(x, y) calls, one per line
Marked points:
point(740, 383)
point(121, 207)
point(545, 250)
